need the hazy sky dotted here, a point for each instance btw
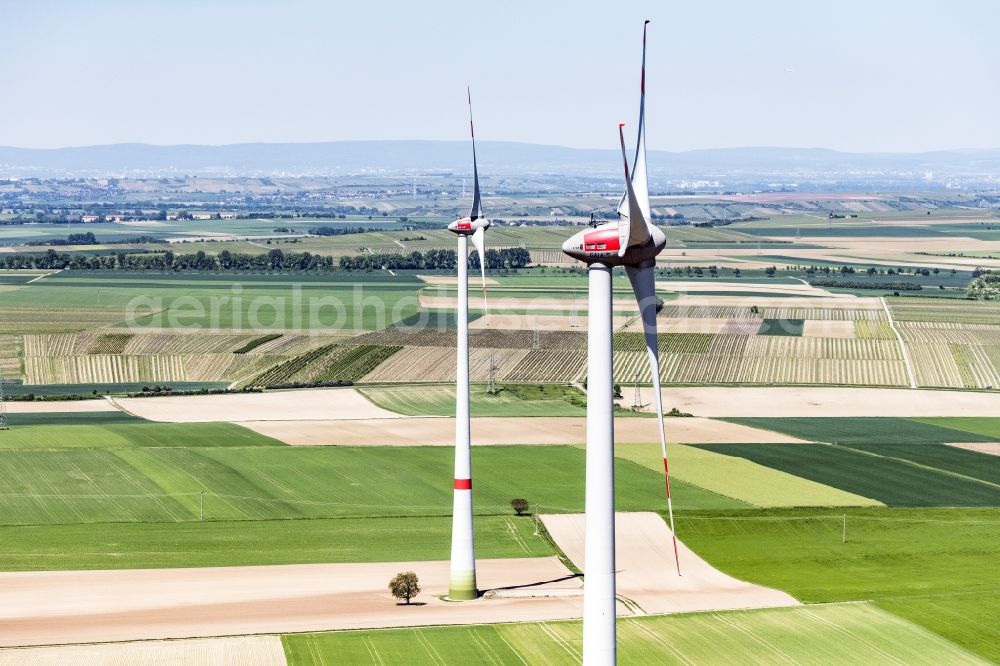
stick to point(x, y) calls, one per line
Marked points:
point(872, 75)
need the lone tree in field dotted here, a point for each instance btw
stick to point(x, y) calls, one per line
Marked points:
point(405, 586)
point(520, 505)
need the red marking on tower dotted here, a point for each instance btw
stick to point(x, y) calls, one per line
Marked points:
point(463, 484)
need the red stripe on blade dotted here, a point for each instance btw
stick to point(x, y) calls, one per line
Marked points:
point(463, 484)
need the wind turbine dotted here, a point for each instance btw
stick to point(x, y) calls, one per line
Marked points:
point(462, 583)
point(632, 242)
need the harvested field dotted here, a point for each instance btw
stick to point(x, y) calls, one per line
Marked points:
point(231, 651)
point(720, 401)
point(440, 431)
point(646, 570)
point(125, 605)
point(989, 448)
point(311, 404)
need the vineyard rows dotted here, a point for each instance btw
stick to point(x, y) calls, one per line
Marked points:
point(437, 364)
point(975, 366)
point(966, 334)
point(965, 312)
point(482, 338)
point(103, 369)
point(138, 344)
point(10, 356)
point(550, 365)
point(667, 342)
point(117, 368)
point(110, 343)
point(712, 369)
point(745, 312)
point(824, 348)
point(283, 373)
point(740, 327)
point(356, 362)
point(875, 330)
point(256, 342)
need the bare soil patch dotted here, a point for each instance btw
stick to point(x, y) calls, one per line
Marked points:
point(647, 573)
point(326, 404)
point(60, 607)
point(486, 431)
point(828, 328)
point(989, 448)
point(230, 651)
point(720, 401)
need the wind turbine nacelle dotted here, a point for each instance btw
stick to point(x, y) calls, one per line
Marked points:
point(467, 226)
point(601, 245)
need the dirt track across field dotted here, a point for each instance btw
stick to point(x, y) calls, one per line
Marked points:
point(721, 401)
point(61, 607)
point(647, 573)
point(230, 651)
point(327, 404)
point(440, 431)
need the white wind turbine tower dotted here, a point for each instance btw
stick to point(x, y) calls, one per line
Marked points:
point(632, 242)
point(462, 584)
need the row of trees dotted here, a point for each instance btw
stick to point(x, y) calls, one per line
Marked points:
point(515, 257)
point(169, 261)
point(416, 260)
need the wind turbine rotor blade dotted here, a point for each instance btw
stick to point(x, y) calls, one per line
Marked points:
point(644, 286)
point(477, 205)
point(639, 178)
point(632, 227)
point(479, 240)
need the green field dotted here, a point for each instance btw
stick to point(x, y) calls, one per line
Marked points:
point(215, 301)
point(112, 430)
point(515, 400)
point(77, 485)
point(245, 543)
point(739, 478)
point(839, 633)
point(867, 452)
point(880, 429)
point(890, 480)
point(935, 567)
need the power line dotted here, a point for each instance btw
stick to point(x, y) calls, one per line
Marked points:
point(492, 387)
point(3, 403)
